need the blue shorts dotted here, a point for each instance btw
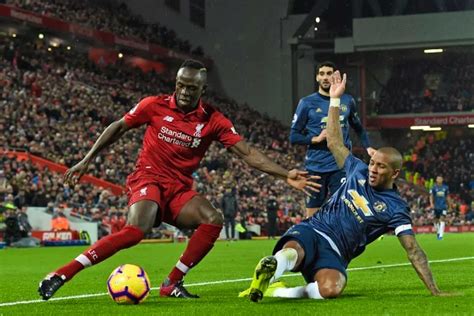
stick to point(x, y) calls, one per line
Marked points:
point(330, 182)
point(439, 213)
point(318, 252)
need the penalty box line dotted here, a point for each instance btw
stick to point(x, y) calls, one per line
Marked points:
point(230, 281)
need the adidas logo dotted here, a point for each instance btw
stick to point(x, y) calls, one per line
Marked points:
point(318, 110)
point(168, 118)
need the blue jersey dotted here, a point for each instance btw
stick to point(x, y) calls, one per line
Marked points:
point(440, 195)
point(311, 118)
point(357, 214)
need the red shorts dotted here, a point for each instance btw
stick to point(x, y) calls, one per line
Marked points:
point(170, 194)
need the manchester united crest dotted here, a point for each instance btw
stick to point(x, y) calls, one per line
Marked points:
point(380, 206)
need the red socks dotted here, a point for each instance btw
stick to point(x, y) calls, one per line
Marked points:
point(199, 245)
point(102, 249)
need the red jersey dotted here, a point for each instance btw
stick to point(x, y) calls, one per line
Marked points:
point(174, 141)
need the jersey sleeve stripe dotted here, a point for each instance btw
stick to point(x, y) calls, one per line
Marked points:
point(402, 228)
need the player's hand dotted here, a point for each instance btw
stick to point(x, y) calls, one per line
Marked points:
point(74, 174)
point(371, 151)
point(320, 138)
point(338, 85)
point(301, 181)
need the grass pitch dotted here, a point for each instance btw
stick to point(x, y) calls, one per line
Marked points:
point(381, 281)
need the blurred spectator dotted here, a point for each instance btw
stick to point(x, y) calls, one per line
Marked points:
point(3, 184)
point(229, 207)
point(23, 222)
point(284, 223)
point(59, 222)
point(12, 229)
point(272, 208)
point(20, 199)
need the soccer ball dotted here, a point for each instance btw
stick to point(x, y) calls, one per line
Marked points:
point(128, 284)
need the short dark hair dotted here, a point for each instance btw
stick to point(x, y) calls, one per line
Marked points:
point(194, 64)
point(396, 159)
point(326, 64)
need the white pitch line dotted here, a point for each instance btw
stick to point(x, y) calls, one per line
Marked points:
point(229, 281)
point(409, 264)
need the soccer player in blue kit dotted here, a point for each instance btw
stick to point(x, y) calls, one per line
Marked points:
point(309, 128)
point(366, 206)
point(440, 203)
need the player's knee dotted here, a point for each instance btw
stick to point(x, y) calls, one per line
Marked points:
point(145, 227)
point(142, 215)
point(329, 290)
point(131, 235)
point(140, 222)
point(331, 283)
point(214, 217)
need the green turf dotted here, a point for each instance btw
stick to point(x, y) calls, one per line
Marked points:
point(382, 291)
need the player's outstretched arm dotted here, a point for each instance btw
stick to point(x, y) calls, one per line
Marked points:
point(418, 259)
point(111, 134)
point(256, 159)
point(333, 128)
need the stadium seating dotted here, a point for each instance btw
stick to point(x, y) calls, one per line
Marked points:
point(68, 102)
point(444, 154)
point(108, 16)
point(63, 102)
point(425, 85)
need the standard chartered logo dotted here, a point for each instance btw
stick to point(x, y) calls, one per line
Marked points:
point(178, 138)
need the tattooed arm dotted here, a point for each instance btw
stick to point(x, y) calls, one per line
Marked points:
point(418, 259)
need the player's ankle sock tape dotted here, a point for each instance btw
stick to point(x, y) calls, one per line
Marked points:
point(69, 270)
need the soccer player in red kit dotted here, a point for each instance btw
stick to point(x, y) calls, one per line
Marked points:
point(180, 128)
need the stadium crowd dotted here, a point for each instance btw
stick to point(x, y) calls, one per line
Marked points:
point(444, 154)
point(418, 199)
point(108, 16)
point(63, 102)
point(55, 104)
point(425, 86)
